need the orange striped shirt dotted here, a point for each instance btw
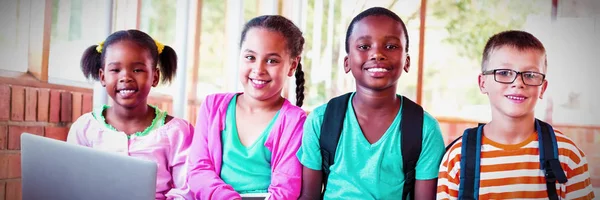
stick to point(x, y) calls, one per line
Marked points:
point(513, 171)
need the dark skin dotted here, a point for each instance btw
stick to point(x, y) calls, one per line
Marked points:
point(376, 59)
point(128, 75)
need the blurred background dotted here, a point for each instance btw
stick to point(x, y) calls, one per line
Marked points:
point(42, 89)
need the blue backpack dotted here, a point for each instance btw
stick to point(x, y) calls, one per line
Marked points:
point(470, 157)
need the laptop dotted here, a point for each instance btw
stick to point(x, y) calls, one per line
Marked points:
point(53, 169)
point(255, 196)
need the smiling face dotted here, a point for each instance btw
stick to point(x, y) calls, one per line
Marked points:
point(266, 63)
point(516, 99)
point(376, 55)
point(128, 74)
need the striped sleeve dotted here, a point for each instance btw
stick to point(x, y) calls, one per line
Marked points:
point(448, 177)
point(579, 184)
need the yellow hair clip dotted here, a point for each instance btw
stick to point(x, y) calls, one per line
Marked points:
point(159, 46)
point(99, 47)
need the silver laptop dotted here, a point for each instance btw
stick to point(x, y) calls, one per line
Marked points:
point(53, 169)
point(255, 196)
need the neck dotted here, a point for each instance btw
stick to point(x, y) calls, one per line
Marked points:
point(246, 102)
point(509, 130)
point(368, 99)
point(138, 113)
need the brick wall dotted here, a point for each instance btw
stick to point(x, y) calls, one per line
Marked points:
point(41, 111)
point(44, 111)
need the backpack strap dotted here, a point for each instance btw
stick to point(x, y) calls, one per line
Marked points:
point(331, 129)
point(469, 163)
point(549, 158)
point(453, 142)
point(411, 131)
point(459, 138)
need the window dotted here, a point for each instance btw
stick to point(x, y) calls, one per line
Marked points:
point(572, 43)
point(158, 19)
point(13, 37)
point(211, 72)
point(456, 33)
point(76, 25)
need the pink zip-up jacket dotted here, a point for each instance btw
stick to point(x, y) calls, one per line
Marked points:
point(206, 154)
point(166, 145)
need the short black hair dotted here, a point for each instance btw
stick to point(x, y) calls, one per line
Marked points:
point(375, 11)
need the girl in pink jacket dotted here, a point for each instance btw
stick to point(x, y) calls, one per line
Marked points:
point(128, 64)
point(247, 142)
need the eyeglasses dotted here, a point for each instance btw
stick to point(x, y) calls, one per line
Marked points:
point(508, 76)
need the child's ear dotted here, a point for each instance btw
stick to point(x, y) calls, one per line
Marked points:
point(294, 66)
point(346, 65)
point(481, 80)
point(544, 86)
point(156, 77)
point(101, 76)
point(407, 64)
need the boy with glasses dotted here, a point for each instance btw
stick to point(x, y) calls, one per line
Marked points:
point(515, 155)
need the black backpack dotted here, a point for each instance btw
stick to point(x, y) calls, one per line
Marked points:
point(471, 150)
point(411, 126)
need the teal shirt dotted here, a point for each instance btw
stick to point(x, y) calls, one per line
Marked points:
point(369, 171)
point(246, 169)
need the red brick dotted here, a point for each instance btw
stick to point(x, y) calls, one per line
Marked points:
point(452, 132)
point(77, 98)
point(66, 107)
point(13, 190)
point(3, 137)
point(14, 165)
point(14, 135)
point(43, 103)
point(54, 106)
point(4, 102)
point(577, 135)
point(17, 106)
point(594, 165)
point(594, 170)
point(30, 104)
point(10, 165)
point(3, 165)
point(87, 103)
point(2, 190)
point(59, 133)
point(595, 182)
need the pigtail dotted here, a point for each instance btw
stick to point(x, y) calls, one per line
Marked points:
point(299, 85)
point(167, 61)
point(91, 63)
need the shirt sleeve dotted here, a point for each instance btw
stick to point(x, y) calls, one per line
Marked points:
point(432, 150)
point(203, 179)
point(579, 184)
point(449, 174)
point(286, 177)
point(179, 145)
point(309, 153)
point(76, 133)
